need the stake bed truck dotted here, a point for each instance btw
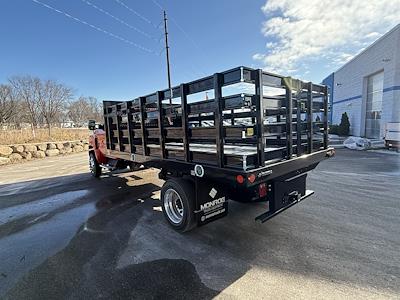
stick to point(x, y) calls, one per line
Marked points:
point(255, 139)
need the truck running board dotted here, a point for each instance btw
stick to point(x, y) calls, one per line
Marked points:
point(268, 215)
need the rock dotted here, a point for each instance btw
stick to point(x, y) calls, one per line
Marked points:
point(39, 154)
point(5, 151)
point(60, 146)
point(78, 148)
point(30, 148)
point(75, 144)
point(86, 147)
point(42, 147)
point(15, 157)
point(67, 145)
point(52, 152)
point(68, 150)
point(4, 161)
point(51, 146)
point(18, 148)
point(26, 155)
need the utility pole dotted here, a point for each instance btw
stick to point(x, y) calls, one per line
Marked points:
point(167, 53)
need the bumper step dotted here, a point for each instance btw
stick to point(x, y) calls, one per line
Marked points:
point(268, 215)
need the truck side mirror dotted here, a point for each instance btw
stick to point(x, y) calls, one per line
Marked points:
point(92, 125)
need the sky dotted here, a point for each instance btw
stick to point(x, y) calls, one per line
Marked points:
point(113, 49)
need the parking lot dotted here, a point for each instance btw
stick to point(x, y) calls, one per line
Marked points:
point(64, 234)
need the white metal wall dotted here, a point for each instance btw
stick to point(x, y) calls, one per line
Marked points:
point(350, 86)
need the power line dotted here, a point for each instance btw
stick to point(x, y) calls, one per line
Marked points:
point(179, 27)
point(187, 36)
point(137, 14)
point(95, 27)
point(118, 19)
point(158, 5)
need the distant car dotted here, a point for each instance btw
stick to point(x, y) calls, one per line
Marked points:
point(392, 135)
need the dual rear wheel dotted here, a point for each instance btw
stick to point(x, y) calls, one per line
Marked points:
point(177, 197)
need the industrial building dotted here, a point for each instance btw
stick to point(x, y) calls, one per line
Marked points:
point(367, 88)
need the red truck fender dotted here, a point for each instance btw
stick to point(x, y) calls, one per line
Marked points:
point(97, 144)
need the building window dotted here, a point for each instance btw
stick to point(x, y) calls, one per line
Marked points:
point(374, 105)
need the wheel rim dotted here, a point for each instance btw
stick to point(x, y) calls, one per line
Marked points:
point(92, 163)
point(173, 206)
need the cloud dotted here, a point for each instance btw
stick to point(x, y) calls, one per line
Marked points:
point(305, 31)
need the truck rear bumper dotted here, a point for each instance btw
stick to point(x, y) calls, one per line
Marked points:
point(270, 214)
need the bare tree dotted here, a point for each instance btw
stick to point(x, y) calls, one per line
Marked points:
point(96, 109)
point(84, 109)
point(8, 103)
point(78, 110)
point(52, 100)
point(27, 89)
point(45, 102)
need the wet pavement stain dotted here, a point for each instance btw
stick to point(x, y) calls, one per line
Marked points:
point(87, 267)
point(28, 248)
point(36, 230)
point(41, 206)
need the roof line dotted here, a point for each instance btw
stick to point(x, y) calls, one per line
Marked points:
point(367, 48)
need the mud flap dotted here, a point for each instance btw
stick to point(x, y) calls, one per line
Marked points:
point(211, 201)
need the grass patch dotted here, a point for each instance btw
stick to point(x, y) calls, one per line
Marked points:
point(22, 136)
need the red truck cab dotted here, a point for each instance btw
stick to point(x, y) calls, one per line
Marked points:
point(97, 148)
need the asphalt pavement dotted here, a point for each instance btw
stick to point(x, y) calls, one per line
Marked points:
point(66, 235)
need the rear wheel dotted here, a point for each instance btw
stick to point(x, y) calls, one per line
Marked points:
point(177, 196)
point(134, 166)
point(94, 166)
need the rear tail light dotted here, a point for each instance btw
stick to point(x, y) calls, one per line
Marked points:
point(262, 190)
point(240, 179)
point(251, 178)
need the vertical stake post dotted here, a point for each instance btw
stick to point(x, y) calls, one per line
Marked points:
point(261, 141)
point(218, 119)
point(289, 115)
point(310, 117)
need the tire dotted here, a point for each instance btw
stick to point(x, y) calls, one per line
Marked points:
point(94, 166)
point(133, 166)
point(177, 197)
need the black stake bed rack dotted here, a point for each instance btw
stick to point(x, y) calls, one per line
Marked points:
point(254, 119)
